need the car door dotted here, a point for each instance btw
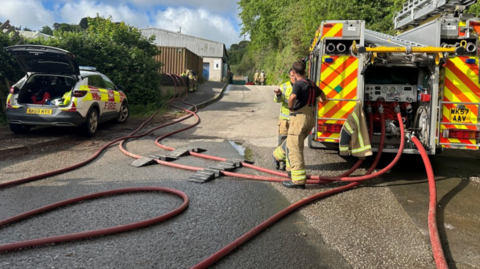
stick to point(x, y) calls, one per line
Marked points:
point(97, 88)
point(112, 106)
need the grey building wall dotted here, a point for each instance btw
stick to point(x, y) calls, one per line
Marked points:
point(212, 52)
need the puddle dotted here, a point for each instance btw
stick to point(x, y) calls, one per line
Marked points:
point(238, 147)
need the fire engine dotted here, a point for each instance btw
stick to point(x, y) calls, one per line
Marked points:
point(429, 72)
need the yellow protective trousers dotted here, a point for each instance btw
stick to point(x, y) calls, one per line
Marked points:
point(301, 123)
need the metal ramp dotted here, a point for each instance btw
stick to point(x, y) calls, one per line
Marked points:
point(380, 39)
point(416, 11)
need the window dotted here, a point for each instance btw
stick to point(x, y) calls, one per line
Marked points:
point(96, 81)
point(108, 84)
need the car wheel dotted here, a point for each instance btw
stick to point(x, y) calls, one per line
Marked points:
point(123, 114)
point(19, 128)
point(90, 126)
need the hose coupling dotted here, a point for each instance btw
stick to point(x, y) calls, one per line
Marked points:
point(397, 109)
point(380, 109)
point(369, 109)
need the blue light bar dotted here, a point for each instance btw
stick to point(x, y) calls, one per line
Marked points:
point(328, 60)
point(88, 68)
point(470, 61)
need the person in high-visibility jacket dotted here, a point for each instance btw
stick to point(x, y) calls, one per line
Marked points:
point(262, 78)
point(302, 103)
point(281, 96)
point(256, 78)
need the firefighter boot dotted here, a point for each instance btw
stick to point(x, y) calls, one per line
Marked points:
point(290, 184)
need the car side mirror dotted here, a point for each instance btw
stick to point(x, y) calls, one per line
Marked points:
point(120, 88)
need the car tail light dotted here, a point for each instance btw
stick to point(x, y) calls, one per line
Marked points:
point(12, 90)
point(474, 23)
point(461, 134)
point(79, 93)
point(329, 128)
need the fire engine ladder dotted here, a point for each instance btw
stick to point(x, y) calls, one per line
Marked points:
point(416, 11)
point(380, 39)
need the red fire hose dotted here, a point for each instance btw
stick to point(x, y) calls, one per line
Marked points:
point(247, 236)
point(437, 249)
point(436, 245)
point(95, 233)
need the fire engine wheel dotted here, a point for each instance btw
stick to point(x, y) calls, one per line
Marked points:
point(90, 126)
point(19, 128)
point(123, 114)
point(422, 125)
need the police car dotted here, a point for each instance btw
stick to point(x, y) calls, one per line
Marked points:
point(56, 91)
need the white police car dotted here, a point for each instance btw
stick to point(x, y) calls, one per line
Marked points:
point(57, 92)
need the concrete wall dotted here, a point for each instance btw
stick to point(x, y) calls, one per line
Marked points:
point(216, 68)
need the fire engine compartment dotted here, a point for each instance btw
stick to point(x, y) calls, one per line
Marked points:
point(388, 88)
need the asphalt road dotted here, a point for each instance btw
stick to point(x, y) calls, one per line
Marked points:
point(381, 224)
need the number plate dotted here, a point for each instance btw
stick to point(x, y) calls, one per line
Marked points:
point(39, 111)
point(460, 115)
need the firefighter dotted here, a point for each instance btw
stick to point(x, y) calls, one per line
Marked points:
point(301, 105)
point(185, 74)
point(192, 79)
point(256, 78)
point(281, 96)
point(262, 78)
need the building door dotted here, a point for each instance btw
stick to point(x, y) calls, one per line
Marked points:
point(206, 71)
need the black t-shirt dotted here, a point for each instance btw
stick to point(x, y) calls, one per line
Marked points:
point(301, 89)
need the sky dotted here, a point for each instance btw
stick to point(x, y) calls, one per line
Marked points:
point(215, 20)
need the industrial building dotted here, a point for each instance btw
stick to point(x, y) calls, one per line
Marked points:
point(176, 60)
point(214, 54)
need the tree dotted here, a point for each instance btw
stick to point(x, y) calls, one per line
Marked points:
point(119, 51)
point(46, 30)
point(84, 23)
point(9, 73)
point(281, 31)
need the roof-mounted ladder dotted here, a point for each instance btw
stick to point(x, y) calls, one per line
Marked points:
point(416, 11)
point(380, 39)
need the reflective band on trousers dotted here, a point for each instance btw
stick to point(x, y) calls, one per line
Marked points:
point(279, 154)
point(298, 175)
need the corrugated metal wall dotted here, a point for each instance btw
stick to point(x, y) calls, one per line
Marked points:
point(199, 46)
point(175, 60)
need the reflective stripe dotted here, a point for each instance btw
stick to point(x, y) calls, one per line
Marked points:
point(360, 138)
point(368, 147)
point(279, 154)
point(343, 148)
point(299, 175)
point(349, 129)
point(283, 115)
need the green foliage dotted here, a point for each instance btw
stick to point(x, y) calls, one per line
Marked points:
point(9, 72)
point(281, 31)
point(119, 51)
point(65, 27)
point(84, 23)
point(46, 30)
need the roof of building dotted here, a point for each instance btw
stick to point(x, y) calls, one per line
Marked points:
point(30, 34)
point(200, 46)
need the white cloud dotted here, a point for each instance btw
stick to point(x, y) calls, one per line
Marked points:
point(200, 23)
point(26, 13)
point(210, 19)
point(74, 12)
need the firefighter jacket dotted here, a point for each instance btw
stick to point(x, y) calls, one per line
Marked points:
point(354, 138)
point(286, 89)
